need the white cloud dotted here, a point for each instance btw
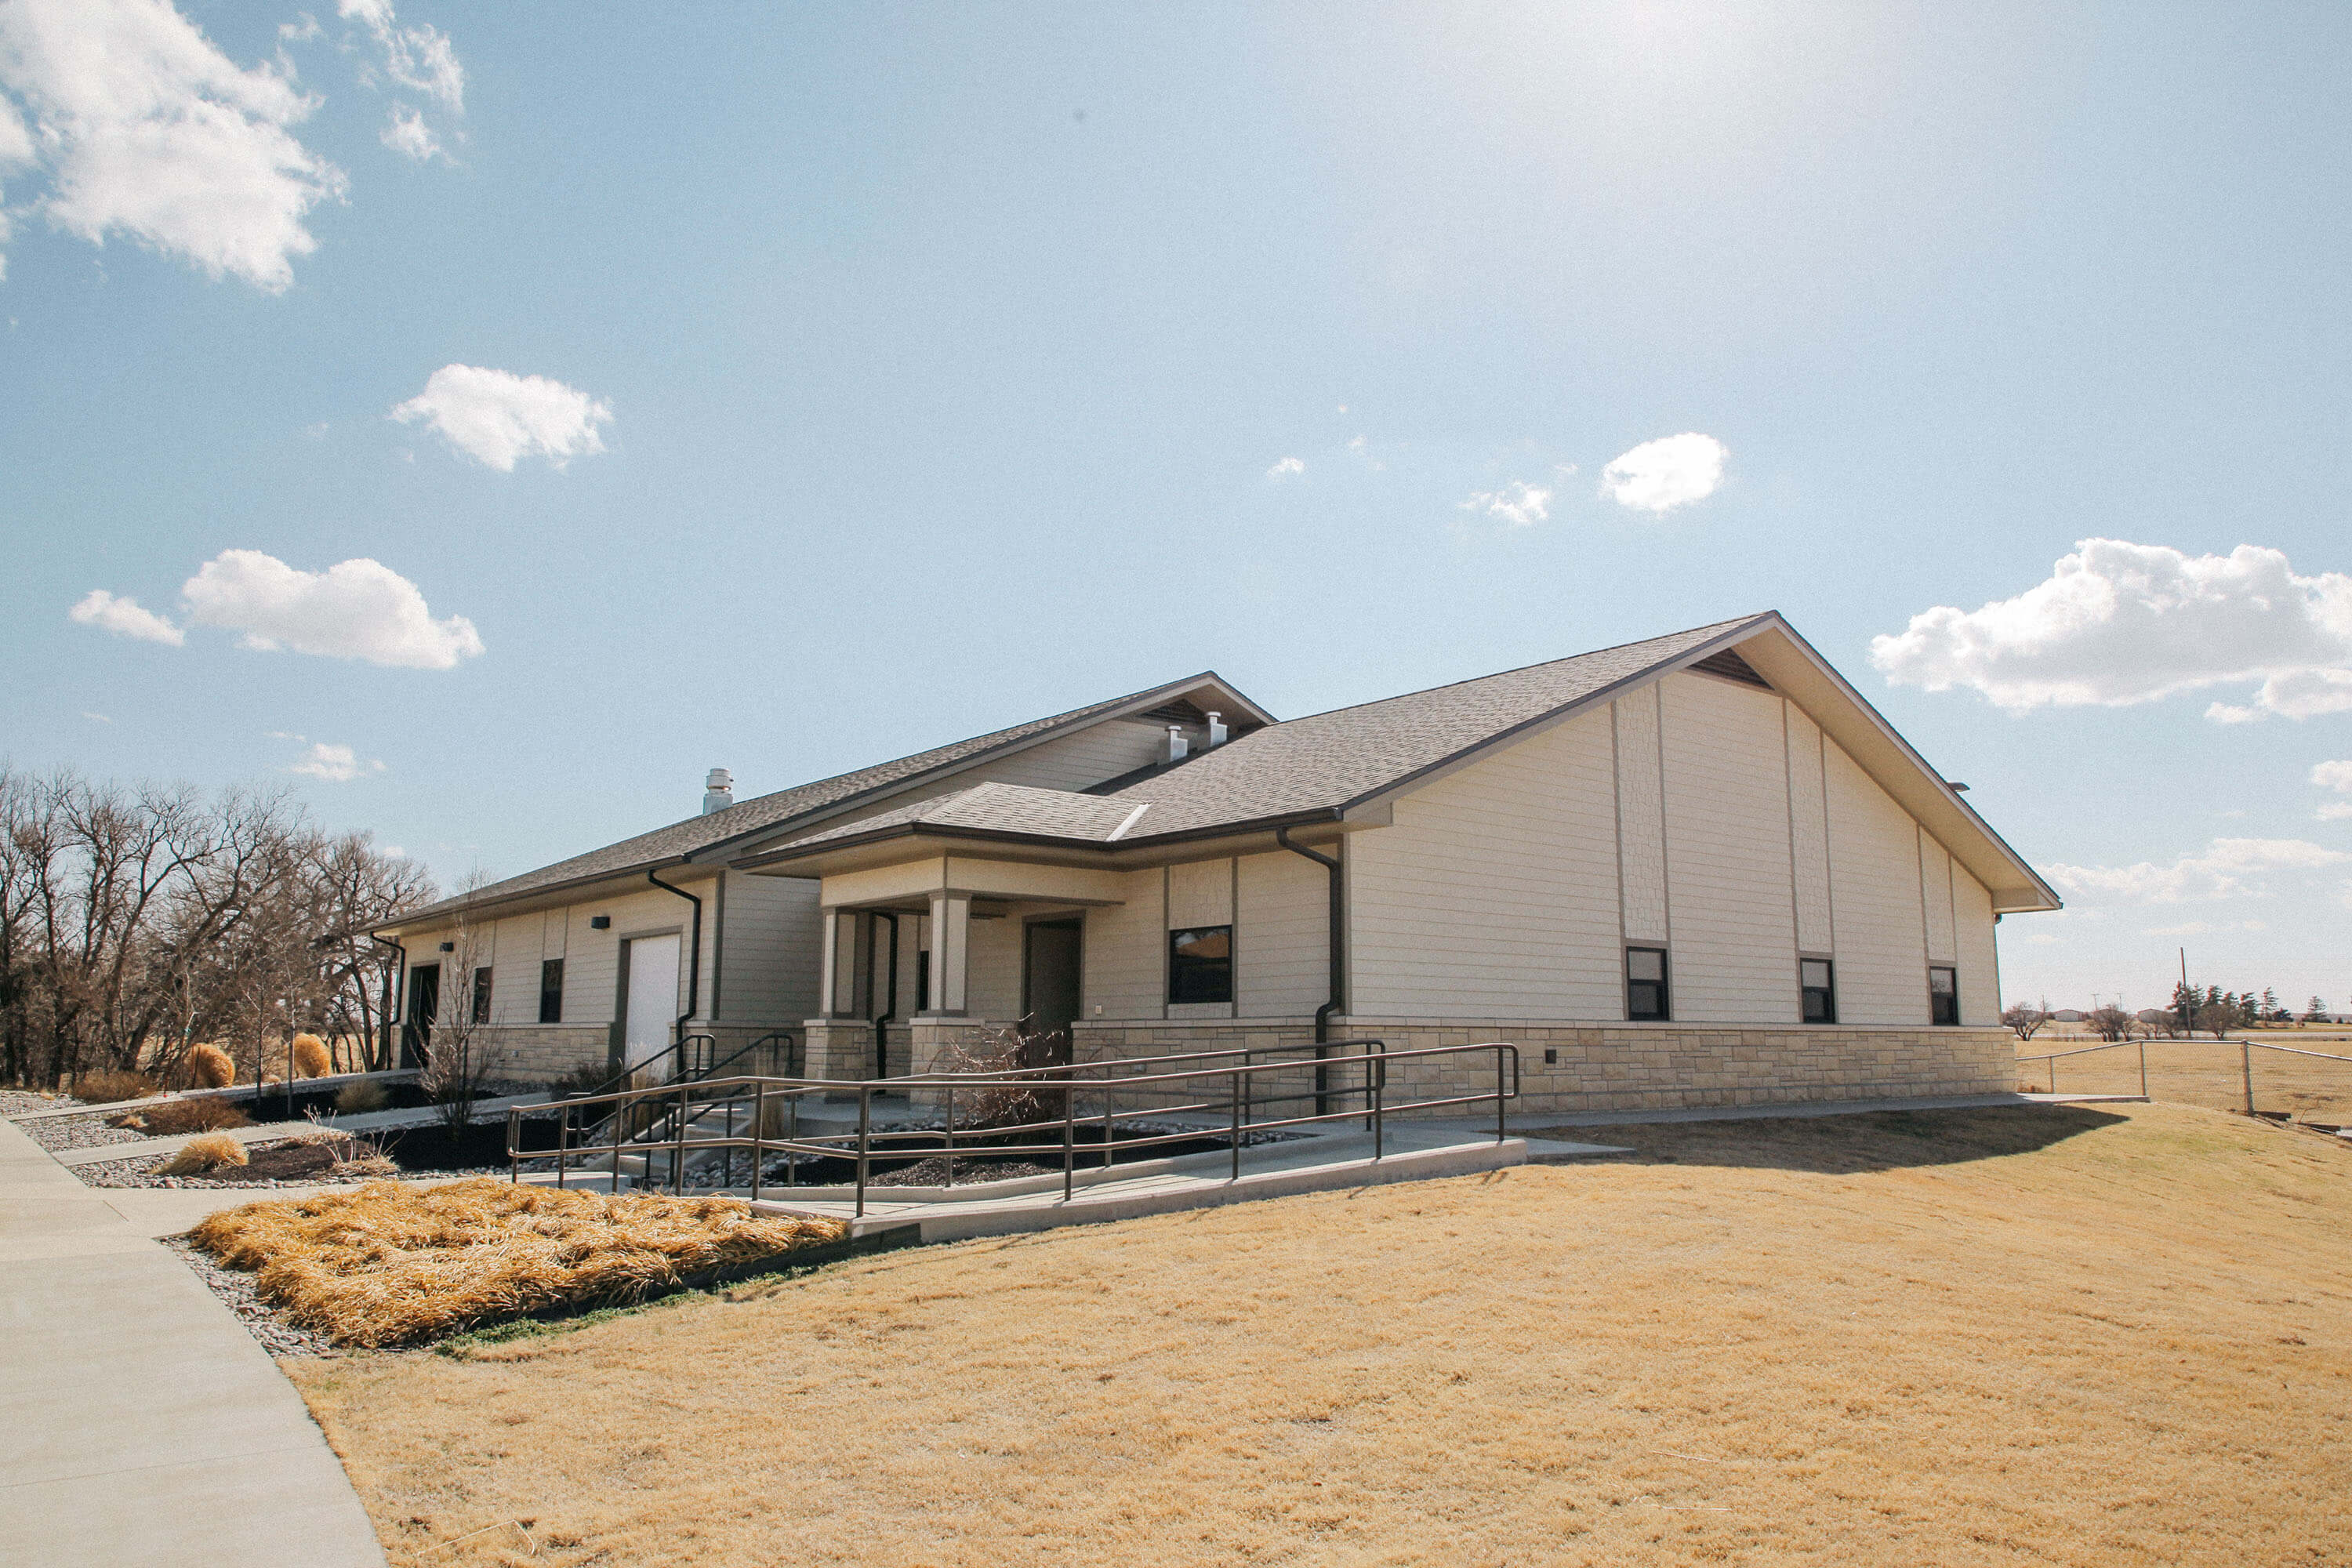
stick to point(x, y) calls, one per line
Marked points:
point(1286, 468)
point(357, 609)
point(1519, 503)
point(2336, 776)
point(1363, 449)
point(1672, 471)
point(145, 128)
point(335, 764)
point(405, 132)
point(2117, 623)
point(125, 618)
point(2228, 868)
point(416, 57)
point(497, 417)
point(95, 718)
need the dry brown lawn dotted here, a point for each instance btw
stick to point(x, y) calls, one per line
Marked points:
point(2206, 1072)
point(2063, 1334)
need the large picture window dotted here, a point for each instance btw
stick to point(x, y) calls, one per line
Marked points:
point(1646, 983)
point(1201, 964)
point(551, 991)
point(482, 994)
point(1817, 988)
point(1943, 994)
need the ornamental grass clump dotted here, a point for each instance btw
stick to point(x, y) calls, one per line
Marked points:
point(175, 1117)
point(311, 1058)
point(361, 1096)
point(209, 1067)
point(391, 1264)
point(209, 1152)
point(107, 1087)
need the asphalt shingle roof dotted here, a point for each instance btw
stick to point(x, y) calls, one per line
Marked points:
point(1301, 765)
point(766, 813)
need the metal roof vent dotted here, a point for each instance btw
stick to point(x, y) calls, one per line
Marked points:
point(1217, 730)
point(718, 790)
point(1179, 748)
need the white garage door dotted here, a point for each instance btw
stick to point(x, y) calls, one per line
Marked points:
point(653, 997)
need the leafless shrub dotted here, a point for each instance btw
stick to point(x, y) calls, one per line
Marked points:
point(1007, 1102)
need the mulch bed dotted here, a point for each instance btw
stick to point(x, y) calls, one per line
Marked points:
point(934, 1172)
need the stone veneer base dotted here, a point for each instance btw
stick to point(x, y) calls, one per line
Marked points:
point(1616, 1066)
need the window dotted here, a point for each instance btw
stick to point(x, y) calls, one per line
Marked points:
point(1817, 988)
point(1646, 983)
point(482, 994)
point(1943, 994)
point(551, 991)
point(1201, 964)
point(922, 980)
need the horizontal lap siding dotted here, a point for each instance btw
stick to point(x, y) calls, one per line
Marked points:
point(993, 969)
point(1281, 932)
point(773, 937)
point(1121, 952)
point(1727, 812)
point(1980, 965)
point(1640, 815)
point(1936, 898)
point(1809, 841)
point(1882, 960)
point(1495, 891)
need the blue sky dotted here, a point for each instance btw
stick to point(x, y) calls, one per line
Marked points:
point(907, 372)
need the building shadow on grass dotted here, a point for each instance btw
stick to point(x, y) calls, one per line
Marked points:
point(1851, 1144)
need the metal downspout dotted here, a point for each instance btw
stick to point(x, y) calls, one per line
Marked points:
point(392, 977)
point(693, 961)
point(1339, 933)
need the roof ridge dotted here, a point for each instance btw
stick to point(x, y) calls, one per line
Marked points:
point(1522, 669)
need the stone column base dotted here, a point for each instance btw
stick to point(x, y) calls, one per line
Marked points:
point(839, 1048)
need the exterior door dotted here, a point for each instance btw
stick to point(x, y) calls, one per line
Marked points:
point(424, 1007)
point(1050, 986)
point(653, 998)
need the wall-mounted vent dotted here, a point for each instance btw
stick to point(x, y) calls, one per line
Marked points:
point(1731, 667)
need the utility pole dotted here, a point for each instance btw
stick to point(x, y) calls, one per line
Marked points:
point(2188, 999)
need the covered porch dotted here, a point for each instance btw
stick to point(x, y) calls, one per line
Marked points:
point(920, 957)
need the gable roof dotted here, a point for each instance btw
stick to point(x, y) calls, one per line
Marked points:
point(739, 826)
point(1327, 765)
point(1322, 763)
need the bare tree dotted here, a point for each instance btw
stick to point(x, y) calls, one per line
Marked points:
point(2025, 1020)
point(460, 1057)
point(2112, 1024)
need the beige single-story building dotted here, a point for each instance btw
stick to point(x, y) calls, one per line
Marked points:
point(1696, 869)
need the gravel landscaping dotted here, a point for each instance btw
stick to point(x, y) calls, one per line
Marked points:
point(235, 1288)
point(19, 1102)
point(59, 1134)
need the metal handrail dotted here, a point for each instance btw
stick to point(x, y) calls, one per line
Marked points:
point(1238, 1103)
point(2246, 1047)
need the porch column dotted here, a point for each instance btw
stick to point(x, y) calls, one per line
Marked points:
point(951, 949)
point(839, 985)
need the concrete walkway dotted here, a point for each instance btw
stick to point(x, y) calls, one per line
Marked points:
point(144, 1425)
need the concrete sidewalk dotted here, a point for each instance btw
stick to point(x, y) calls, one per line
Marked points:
point(145, 1425)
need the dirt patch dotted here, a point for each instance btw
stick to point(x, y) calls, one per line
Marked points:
point(2051, 1338)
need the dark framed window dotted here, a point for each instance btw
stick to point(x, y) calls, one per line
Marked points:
point(551, 991)
point(1645, 983)
point(1943, 994)
point(1817, 989)
point(922, 980)
point(482, 994)
point(1201, 964)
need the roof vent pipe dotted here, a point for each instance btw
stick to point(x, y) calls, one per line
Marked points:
point(718, 790)
point(1216, 730)
point(1179, 748)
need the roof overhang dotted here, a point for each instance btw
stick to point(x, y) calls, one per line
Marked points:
point(905, 842)
point(555, 895)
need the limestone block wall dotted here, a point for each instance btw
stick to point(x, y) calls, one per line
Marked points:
point(539, 1053)
point(1618, 1067)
